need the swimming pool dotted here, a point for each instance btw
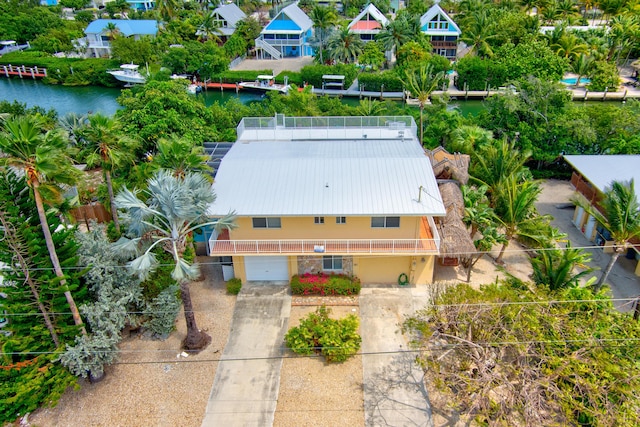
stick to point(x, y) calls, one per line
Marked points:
point(573, 80)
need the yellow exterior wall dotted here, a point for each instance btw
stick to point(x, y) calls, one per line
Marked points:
point(304, 228)
point(238, 268)
point(387, 269)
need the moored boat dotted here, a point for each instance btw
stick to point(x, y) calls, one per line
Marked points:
point(266, 83)
point(128, 73)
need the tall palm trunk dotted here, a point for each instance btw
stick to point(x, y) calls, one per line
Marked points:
point(54, 256)
point(114, 211)
point(17, 247)
point(614, 257)
point(421, 125)
point(195, 339)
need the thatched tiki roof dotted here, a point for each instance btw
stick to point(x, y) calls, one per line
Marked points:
point(455, 241)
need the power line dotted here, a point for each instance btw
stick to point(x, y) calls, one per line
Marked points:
point(427, 305)
point(432, 347)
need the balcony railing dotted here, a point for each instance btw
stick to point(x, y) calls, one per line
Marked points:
point(326, 246)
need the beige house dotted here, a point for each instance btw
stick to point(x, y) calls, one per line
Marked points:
point(354, 195)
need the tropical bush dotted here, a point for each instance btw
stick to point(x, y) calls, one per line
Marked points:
point(336, 339)
point(164, 310)
point(513, 358)
point(324, 284)
point(233, 286)
point(374, 81)
point(312, 74)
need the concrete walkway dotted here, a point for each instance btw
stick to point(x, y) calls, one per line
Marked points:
point(245, 389)
point(394, 389)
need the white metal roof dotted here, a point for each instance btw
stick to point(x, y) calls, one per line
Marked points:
point(342, 177)
point(602, 170)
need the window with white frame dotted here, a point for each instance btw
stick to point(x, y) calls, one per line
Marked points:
point(385, 222)
point(341, 220)
point(332, 262)
point(266, 222)
point(318, 220)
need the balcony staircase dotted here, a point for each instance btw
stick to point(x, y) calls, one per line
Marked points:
point(272, 51)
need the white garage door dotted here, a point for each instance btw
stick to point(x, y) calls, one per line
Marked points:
point(266, 268)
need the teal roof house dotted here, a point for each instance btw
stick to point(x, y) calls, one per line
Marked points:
point(441, 30)
point(287, 35)
point(99, 33)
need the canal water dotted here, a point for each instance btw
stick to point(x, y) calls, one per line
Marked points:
point(85, 99)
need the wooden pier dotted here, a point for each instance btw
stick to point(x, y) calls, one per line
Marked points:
point(23, 71)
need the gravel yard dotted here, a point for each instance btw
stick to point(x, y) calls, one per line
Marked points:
point(150, 386)
point(314, 393)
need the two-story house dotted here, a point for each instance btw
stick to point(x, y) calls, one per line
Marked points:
point(225, 19)
point(368, 23)
point(100, 32)
point(287, 34)
point(355, 195)
point(441, 30)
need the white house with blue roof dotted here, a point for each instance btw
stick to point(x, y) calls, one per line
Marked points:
point(99, 34)
point(442, 31)
point(287, 34)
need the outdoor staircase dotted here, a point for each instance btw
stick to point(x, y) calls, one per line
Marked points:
point(261, 44)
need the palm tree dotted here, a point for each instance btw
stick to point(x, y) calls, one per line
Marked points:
point(478, 32)
point(111, 30)
point(108, 148)
point(181, 156)
point(396, 33)
point(210, 28)
point(468, 138)
point(167, 9)
point(582, 66)
point(369, 107)
point(324, 19)
point(344, 46)
point(620, 215)
point(569, 46)
point(175, 207)
point(554, 268)
point(515, 209)
point(42, 157)
point(421, 83)
point(495, 163)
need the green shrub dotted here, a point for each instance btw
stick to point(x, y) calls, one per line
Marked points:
point(164, 310)
point(374, 81)
point(312, 74)
point(336, 339)
point(324, 284)
point(233, 286)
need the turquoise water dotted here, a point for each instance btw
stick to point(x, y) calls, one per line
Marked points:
point(573, 80)
point(81, 100)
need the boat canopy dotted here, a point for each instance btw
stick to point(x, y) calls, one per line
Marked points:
point(7, 42)
point(265, 77)
point(129, 66)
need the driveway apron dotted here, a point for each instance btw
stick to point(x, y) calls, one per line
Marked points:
point(394, 390)
point(245, 389)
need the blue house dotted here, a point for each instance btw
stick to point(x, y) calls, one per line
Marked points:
point(99, 34)
point(287, 34)
point(142, 5)
point(442, 31)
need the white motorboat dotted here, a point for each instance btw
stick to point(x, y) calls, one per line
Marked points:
point(266, 82)
point(128, 73)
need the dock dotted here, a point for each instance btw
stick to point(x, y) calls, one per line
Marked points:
point(22, 71)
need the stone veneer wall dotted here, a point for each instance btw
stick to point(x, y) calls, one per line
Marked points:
point(313, 264)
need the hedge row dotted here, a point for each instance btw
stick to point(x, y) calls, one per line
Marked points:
point(324, 284)
point(374, 81)
point(66, 71)
point(312, 74)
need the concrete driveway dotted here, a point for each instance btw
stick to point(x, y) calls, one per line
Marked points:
point(245, 389)
point(394, 389)
point(623, 283)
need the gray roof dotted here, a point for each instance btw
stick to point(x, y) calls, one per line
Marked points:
point(602, 170)
point(230, 13)
point(342, 177)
